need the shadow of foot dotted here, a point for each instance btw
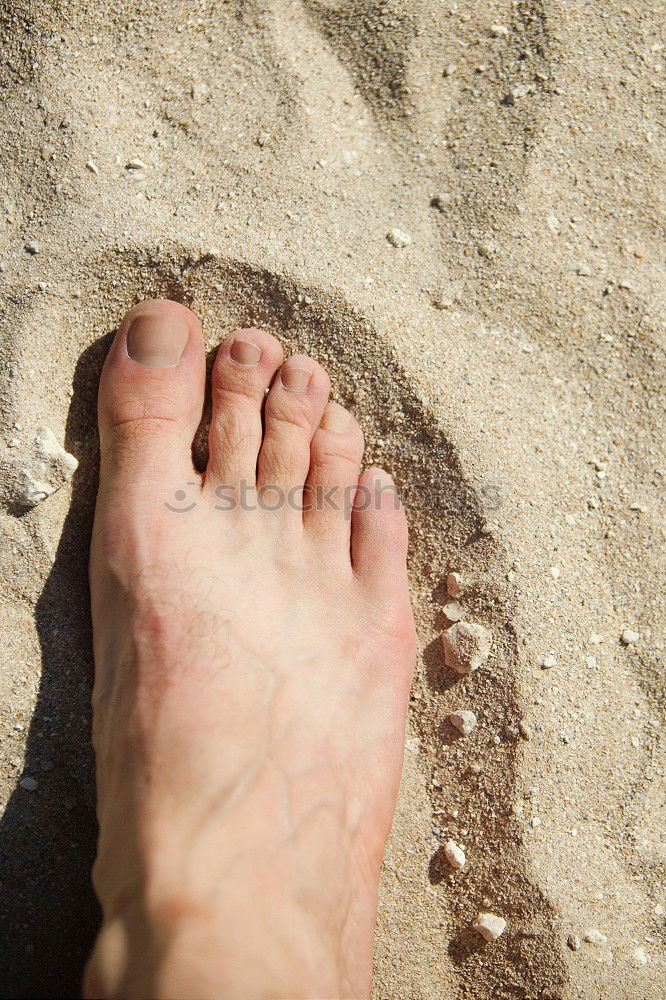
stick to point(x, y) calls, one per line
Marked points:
point(49, 915)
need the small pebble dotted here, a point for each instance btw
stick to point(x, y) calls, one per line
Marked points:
point(47, 151)
point(584, 271)
point(521, 90)
point(454, 855)
point(29, 784)
point(573, 941)
point(464, 722)
point(639, 958)
point(453, 611)
point(450, 69)
point(595, 937)
point(553, 223)
point(135, 164)
point(490, 926)
point(499, 31)
point(548, 662)
point(453, 584)
point(466, 647)
point(629, 637)
point(92, 167)
point(33, 247)
point(397, 238)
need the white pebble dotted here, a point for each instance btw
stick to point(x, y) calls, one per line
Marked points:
point(555, 572)
point(29, 784)
point(466, 647)
point(584, 270)
point(453, 611)
point(521, 90)
point(595, 937)
point(33, 247)
point(464, 722)
point(397, 238)
point(499, 31)
point(629, 637)
point(490, 926)
point(453, 584)
point(548, 662)
point(454, 855)
point(92, 167)
point(450, 69)
point(135, 164)
point(639, 958)
point(553, 223)
point(34, 475)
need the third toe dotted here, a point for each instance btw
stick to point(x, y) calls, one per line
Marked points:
point(294, 408)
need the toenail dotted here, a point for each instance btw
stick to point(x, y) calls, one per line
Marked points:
point(157, 341)
point(335, 419)
point(295, 379)
point(245, 353)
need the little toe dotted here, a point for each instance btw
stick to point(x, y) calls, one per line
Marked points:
point(294, 408)
point(335, 460)
point(151, 393)
point(244, 368)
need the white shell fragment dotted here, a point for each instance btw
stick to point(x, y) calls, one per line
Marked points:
point(464, 722)
point(453, 611)
point(454, 855)
point(490, 926)
point(397, 238)
point(466, 646)
point(29, 476)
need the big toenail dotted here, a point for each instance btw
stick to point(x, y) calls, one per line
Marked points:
point(335, 419)
point(295, 379)
point(245, 353)
point(157, 341)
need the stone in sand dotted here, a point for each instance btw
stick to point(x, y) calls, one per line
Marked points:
point(398, 238)
point(464, 722)
point(30, 478)
point(594, 936)
point(454, 855)
point(466, 647)
point(490, 926)
point(629, 637)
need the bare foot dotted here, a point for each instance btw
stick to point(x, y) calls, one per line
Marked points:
point(252, 674)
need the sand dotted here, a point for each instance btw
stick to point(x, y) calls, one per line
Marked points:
point(506, 363)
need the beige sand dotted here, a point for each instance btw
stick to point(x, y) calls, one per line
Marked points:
point(515, 341)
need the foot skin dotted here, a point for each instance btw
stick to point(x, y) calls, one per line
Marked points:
point(252, 674)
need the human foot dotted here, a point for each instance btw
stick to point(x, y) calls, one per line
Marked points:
point(252, 674)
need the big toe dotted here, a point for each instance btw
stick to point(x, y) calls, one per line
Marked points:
point(151, 393)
